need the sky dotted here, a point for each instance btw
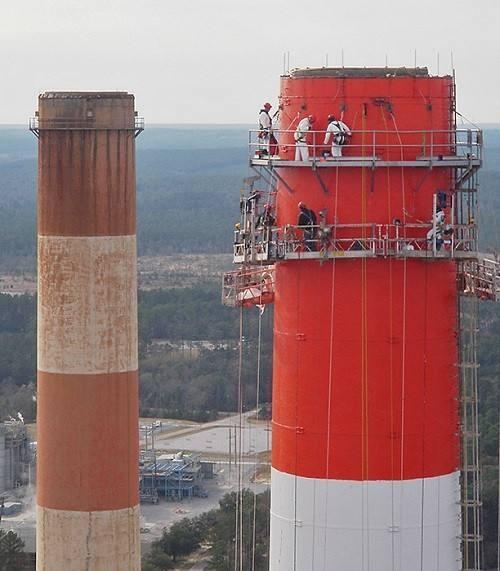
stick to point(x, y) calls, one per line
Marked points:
point(217, 61)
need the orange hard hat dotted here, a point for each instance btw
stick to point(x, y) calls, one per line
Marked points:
point(312, 118)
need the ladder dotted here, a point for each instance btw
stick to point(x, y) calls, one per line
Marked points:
point(470, 469)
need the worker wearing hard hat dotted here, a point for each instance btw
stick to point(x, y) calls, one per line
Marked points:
point(339, 133)
point(267, 139)
point(307, 222)
point(300, 135)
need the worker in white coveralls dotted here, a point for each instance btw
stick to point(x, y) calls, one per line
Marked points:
point(439, 230)
point(339, 133)
point(301, 148)
point(267, 139)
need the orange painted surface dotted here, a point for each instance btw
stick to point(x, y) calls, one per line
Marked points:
point(372, 196)
point(87, 441)
point(382, 104)
point(366, 388)
point(365, 413)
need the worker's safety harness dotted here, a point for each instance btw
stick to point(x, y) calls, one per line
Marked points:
point(263, 130)
point(300, 136)
point(341, 137)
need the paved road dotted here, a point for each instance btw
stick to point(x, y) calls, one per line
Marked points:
point(200, 566)
point(219, 437)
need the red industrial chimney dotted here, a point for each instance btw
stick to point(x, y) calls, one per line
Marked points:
point(366, 431)
point(365, 416)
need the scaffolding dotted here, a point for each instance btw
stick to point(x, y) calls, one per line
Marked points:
point(481, 279)
point(16, 459)
point(173, 476)
point(457, 148)
point(470, 472)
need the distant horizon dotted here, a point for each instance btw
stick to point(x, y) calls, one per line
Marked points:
point(153, 125)
point(23, 125)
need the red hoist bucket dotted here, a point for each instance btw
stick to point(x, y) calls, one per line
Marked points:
point(248, 287)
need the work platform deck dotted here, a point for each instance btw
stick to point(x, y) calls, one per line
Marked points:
point(367, 162)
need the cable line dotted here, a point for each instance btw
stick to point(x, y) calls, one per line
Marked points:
point(260, 308)
point(330, 381)
point(391, 352)
point(238, 543)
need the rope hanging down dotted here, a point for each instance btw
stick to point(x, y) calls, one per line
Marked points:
point(238, 543)
point(239, 505)
point(330, 380)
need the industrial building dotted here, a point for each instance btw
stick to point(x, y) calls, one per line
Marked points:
point(172, 476)
point(375, 436)
point(17, 457)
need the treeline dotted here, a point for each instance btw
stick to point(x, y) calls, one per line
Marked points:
point(197, 384)
point(187, 196)
point(187, 201)
point(194, 313)
point(489, 406)
point(17, 356)
point(179, 386)
point(174, 382)
point(217, 529)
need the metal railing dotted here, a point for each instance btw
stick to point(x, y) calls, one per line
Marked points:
point(374, 144)
point(250, 286)
point(70, 124)
point(355, 240)
point(481, 279)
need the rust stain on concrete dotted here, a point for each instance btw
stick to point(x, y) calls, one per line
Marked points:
point(87, 310)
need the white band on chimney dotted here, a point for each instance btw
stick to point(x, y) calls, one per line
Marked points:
point(320, 525)
point(87, 310)
point(113, 535)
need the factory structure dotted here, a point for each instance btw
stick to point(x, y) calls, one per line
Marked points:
point(375, 435)
point(174, 477)
point(87, 476)
point(17, 456)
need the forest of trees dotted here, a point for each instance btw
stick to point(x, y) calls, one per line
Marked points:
point(187, 191)
point(12, 556)
point(173, 382)
point(217, 529)
point(188, 183)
